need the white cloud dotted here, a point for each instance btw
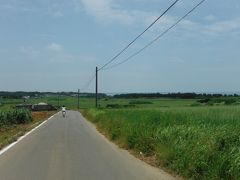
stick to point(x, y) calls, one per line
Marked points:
point(87, 59)
point(193, 29)
point(221, 27)
point(55, 47)
point(210, 18)
point(60, 57)
point(29, 51)
point(77, 5)
point(54, 53)
point(12, 7)
point(185, 4)
point(45, 8)
point(212, 28)
point(107, 11)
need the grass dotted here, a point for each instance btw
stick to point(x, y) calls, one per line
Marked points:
point(195, 142)
point(86, 103)
point(198, 140)
point(69, 102)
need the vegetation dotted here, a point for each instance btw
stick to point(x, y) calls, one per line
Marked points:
point(217, 101)
point(140, 102)
point(196, 142)
point(173, 95)
point(10, 117)
point(15, 122)
point(195, 137)
point(87, 102)
point(21, 94)
point(10, 133)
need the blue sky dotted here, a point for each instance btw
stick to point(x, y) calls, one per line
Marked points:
point(54, 45)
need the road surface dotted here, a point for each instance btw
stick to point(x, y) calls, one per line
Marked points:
point(71, 149)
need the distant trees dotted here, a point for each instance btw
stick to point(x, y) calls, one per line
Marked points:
point(17, 95)
point(21, 94)
point(172, 95)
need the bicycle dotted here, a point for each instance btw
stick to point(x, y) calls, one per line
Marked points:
point(64, 114)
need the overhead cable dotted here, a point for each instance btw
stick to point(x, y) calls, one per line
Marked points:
point(157, 38)
point(124, 49)
point(88, 82)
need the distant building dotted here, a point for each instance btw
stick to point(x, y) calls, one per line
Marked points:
point(37, 107)
point(26, 97)
point(43, 107)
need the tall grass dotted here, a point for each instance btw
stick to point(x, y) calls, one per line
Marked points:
point(18, 116)
point(197, 143)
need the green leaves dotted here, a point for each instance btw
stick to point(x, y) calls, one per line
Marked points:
point(17, 116)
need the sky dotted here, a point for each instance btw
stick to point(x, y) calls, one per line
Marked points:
point(55, 45)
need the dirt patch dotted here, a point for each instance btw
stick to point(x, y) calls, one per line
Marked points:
point(41, 115)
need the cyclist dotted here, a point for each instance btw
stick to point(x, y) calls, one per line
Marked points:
point(63, 111)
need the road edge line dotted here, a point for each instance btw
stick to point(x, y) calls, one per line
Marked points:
point(24, 136)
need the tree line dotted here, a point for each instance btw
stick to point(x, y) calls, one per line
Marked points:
point(174, 95)
point(36, 94)
point(21, 94)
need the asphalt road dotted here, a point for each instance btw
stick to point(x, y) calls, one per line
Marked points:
point(71, 149)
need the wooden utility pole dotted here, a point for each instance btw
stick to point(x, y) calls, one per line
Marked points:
point(78, 98)
point(96, 95)
point(58, 100)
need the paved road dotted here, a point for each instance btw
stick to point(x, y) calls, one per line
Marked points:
point(71, 149)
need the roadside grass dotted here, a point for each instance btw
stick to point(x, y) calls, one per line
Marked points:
point(194, 142)
point(10, 133)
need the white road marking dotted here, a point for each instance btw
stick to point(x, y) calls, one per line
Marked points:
point(22, 137)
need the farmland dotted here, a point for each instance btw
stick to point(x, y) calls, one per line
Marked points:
point(195, 138)
point(198, 141)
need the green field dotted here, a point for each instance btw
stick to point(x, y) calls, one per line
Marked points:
point(71, 102)
point(197, 142)
point(151, 103)
point(192, 138)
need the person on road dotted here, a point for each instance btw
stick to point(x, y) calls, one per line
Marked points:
point(63, 111)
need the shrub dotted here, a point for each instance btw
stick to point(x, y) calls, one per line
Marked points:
point(140, 102)
point(118, 106)
point(20, 116)
point(230, 101)
point(204, 100)
point(113, 106)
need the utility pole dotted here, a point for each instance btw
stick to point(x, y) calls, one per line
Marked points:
point(96, 87)
point(78, 97)
point(58, 100)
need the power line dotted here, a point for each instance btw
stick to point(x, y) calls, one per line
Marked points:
point(157, 38)
point(88, 82)
point(124, 49)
